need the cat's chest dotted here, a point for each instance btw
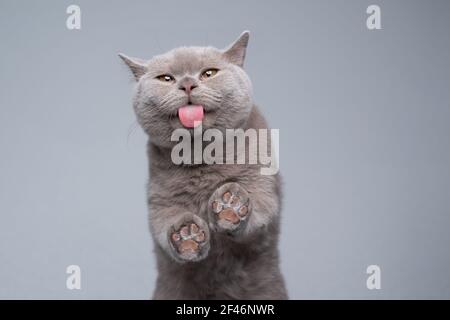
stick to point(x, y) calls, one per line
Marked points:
point(191, 186)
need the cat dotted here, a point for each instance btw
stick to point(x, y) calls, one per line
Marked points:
point(215, 226)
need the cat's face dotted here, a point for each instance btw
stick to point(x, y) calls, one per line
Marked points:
point(192, 84)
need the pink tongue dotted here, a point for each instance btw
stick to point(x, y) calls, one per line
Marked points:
point(190, 116)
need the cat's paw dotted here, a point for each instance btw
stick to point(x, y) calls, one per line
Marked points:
point(189, 240)
point(230, 208)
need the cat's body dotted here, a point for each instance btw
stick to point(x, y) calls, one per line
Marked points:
point(241, 268)
point(215, 226)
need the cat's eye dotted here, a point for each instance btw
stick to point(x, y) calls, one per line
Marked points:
point(208, 73)
point(166, 78)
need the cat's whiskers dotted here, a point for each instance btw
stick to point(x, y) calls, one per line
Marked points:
point(132, 129)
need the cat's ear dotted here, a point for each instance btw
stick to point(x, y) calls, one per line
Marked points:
point(235, 53)
point(136, 65)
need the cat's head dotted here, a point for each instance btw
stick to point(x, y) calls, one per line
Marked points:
point(187, 84)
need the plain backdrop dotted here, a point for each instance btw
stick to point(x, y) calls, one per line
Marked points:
point(364, 119)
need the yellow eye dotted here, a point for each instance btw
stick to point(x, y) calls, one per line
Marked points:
point(166, 78)
point(208, 73)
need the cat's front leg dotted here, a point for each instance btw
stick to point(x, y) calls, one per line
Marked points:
point(189, 238)
point(229, 209)
point(184, 236)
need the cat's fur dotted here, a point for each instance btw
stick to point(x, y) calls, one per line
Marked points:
point(230, 262)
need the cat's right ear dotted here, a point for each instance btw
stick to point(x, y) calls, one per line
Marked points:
point(136, 65)
point(235, 53)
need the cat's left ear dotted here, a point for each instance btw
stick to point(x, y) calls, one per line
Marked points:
point(235, 53)
point(136, 65)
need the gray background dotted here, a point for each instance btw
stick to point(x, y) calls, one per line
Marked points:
point(364, 121)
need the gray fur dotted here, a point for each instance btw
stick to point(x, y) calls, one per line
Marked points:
point(231, 264)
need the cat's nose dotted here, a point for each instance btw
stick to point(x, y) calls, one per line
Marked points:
point(187, 86)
